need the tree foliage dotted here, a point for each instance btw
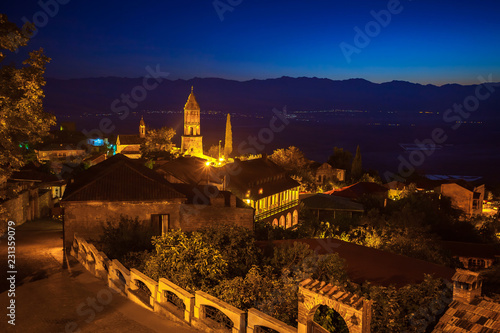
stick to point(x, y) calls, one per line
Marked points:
point(213, 151)
point(236, 245)
point(228, 140)
point(189, 261)
point(357, 167)
point(260, 289)
point(411, 308)
point(158, 143)
point(340, 159)
point(293, 160)
point(22, 119)
point(124, 236)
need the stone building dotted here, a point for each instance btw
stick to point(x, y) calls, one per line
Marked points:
point(264, 186)
point(192, 141)
point(60, 152)
point(464, 196)
point(130, 144)
point(326, 173)
point(473, 256)
point(120, 186)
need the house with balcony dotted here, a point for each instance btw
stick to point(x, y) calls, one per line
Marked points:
point(266, 188)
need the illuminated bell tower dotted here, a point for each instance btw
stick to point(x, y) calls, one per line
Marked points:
point(142, 128)
point(192, 141)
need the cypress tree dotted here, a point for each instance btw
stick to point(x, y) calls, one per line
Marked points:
point(357, 168)
point(228, 142)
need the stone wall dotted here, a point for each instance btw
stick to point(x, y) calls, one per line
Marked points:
point(88, 218)
point(26, 206)
point(194, 217)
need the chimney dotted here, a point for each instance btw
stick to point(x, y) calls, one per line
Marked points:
point(466, 285)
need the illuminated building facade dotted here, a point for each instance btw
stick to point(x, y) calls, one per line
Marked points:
point(266, 188)
point(130, 145)
point(192, 141)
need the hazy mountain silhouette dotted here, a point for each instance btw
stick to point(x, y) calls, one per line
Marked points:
point(95, 95)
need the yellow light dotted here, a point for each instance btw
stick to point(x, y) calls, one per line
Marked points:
point(207, 163)
point(221, 159)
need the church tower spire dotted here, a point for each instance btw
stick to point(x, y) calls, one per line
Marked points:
point(191, 141)
point(142, 128)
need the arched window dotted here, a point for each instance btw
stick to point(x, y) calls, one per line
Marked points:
point(295, 217)
point(288, 220)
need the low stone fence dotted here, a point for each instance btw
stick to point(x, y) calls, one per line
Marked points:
point(201, 311)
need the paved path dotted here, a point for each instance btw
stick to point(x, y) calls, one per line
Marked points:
point(52, 299)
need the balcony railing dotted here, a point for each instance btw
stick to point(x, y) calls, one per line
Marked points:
point(276, 210)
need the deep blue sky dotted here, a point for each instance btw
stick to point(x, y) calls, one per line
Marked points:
point(427, 42)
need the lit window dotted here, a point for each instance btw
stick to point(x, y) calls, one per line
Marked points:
point(261, 190)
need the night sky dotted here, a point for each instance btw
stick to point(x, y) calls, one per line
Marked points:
point(425, 41)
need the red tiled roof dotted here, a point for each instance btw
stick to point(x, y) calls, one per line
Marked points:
point(130, 139)
point(359, 189)
point(120, 179)
point(376, 266)
point(480, 315)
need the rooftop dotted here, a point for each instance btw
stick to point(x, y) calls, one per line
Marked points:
point(260, 176)
point(480, 315)
point(120, 179)
point(376, 266)
point(191, 103)
point(130, 139)
point(329, 202)
point(356, 191)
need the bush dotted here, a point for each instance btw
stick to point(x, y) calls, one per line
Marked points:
point(129, 235)
point(188, 260)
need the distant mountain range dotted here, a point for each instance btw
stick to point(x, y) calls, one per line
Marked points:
point(95, 95)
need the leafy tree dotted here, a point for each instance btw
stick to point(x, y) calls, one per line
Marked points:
point(330, 320)
point(213, 151)
point(228, 141)
point(411, 308)
point(357, 167)
point(340, 159)
point(189, 261)
point(236, 245)
point(158, 143)
point(260, 288)
point(293, 160)
point(22, 119)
